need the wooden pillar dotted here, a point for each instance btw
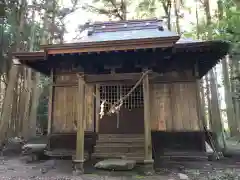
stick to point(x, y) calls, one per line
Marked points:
point(89, 110)
point(50, 103)
point(79, 160)
point(97, 107)
point(147, 128)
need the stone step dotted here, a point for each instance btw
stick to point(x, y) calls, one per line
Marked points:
point(64, 153)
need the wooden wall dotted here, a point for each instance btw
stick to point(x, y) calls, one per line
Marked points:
point(174, 107)
point(65, 105)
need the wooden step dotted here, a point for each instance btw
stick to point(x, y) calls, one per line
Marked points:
point(186, 156)
point(110, 149)
point(139, 157)
point(121, 136)
point(122, 140)
point(117, 145)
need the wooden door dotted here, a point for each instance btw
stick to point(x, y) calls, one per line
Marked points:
point(130, 118)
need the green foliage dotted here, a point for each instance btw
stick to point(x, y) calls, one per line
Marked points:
point(225, 28)
point(146, 8)
point(115, 9)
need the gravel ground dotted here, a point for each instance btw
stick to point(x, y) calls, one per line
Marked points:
point(14, 168)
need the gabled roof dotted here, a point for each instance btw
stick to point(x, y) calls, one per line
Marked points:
point(127, 36)
point(119, 35)
point(125, 30)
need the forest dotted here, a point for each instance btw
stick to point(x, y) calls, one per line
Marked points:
point(27, 24)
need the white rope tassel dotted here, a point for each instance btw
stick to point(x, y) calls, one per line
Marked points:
point(102, 109)
point(118, 104)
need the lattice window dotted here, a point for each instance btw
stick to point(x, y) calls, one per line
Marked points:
point(112, 93)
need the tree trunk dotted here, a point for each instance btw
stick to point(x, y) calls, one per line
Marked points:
point(210, 123)
point(13, 74)
point(124, 9)
point(201, 84)
point(21, 106)
point(176, 12)
point(228, 99)
point(235, 73)
point(214, 104)
point(27, 99)
point(167, 9)
point(12, 126)
point(31, 97)
point(216, 115)
point(35, 101)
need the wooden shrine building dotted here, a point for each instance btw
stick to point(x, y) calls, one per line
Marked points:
point(133, 83)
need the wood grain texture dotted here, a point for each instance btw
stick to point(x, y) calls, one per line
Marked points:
point(174, 107)
point(50, 104)
point(65, 110)
point(89, 107)
point(80, 120)
point(65, 105)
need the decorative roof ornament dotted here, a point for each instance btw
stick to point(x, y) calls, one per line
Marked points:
point(160, 28)
point(90, 31)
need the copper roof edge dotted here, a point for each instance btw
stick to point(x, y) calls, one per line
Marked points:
point(28, 54)
point(225, 44)
point(109, 43)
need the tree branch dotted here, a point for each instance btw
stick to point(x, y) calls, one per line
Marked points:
point(117, 12)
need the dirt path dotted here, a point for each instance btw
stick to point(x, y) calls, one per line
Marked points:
point(16, 169)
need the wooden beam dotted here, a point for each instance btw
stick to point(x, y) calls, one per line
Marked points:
point(79, 161)
point(147, 127)
point(111, 77)
point(119, 45)
point(133, 77)
point(65, 85)
point(50, 103)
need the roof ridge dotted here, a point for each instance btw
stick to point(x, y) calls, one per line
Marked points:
point(126, 21)
point(129, 25)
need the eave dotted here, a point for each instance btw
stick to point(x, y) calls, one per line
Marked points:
point(29, 56)
point(106, 46)
point(218, 49)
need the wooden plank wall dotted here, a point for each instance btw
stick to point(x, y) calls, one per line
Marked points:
point(174, 107)
point(65, 105)
point(64, 109)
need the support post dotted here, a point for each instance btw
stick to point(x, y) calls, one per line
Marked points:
point(97, 107)
point(200, 115)
point(148, 161)
point(50, 104)
point(79, 160)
